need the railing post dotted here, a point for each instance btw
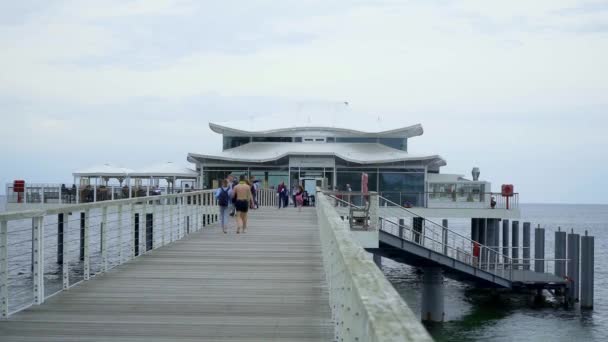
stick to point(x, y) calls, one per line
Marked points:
point(104, 239)
point(3, 269)
point(171, 205)
point(163, 207)
point(120, 230)
point(38, 259)
point(85, 242)
point(65, 271)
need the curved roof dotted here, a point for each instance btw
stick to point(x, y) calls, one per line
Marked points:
point(164, 170)
point(105, 170)
point(359, 125)
point(361, 153)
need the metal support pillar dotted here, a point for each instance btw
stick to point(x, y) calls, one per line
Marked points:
point(401, 227)
point(491, 240)
point(515, 243)
point(560, 253)
point(136, 234)
point(82, 226)
point(85, 243)
point(38, 252)
point(539, 250)
point(573, 264)
point(526, 245)
point(418, 224)
point(149, 231)
point(432, 295)
point(587, 274)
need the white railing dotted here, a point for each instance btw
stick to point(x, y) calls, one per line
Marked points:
point(43, 252)
point(365, 306)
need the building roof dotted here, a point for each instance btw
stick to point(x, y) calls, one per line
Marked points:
point(168, 169)
point(360, 153)
point(105, 170)
point(344, 124)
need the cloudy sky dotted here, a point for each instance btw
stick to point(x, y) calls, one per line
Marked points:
point(518, 88)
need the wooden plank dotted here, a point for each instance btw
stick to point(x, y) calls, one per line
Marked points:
point(265, 285)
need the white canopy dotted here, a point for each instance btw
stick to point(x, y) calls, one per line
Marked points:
point(105, 170)
point(168, 169)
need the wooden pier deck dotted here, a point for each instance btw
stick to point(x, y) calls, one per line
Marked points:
point(265, 285)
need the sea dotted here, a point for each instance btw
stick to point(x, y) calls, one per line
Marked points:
point(478, 315)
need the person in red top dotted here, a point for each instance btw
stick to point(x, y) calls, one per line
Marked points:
point(476, 253)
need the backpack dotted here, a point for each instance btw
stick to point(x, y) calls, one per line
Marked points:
point(223, 199)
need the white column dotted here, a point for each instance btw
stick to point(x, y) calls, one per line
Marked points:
point(65, 250)
point(38, 259)
point(87, 265)
point(3, 270)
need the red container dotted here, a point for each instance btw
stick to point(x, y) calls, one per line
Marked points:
point(19, 186)
point(507, 190)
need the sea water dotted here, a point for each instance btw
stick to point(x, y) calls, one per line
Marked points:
point(473, 315)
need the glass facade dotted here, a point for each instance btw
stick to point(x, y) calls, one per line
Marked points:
point(232, 142)
point(272, 139)
point(406, 189)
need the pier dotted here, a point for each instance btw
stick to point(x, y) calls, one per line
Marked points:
point(159, 268)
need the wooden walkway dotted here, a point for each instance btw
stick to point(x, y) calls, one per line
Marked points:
point(265, 285)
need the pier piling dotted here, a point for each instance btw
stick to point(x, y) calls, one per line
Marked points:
point(526, 245)
point(573, 264)
point(505, 239)
point(539, 249)
point(515, 243)
point(587, 273)
point(432, 295)
point(560, 253)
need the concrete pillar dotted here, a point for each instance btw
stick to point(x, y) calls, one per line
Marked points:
point(505, 239)
point(587, 273)
point(515, 243)
point(444, 236)
point(560, 253)
point(475, 229)
point(378, 260)
point(432, 295)
point(490, 242)
point(573, 264)
point(401, 227)
point(526, 245)
point(539, 249)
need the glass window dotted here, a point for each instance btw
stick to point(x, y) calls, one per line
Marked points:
point(232, 142)
point(272, 139)
point(297, 139)
point(330, 139)
point(396, 143)
point(406, 189)
point(357, 140)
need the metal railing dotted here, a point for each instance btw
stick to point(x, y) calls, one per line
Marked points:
point(43, 252)
point(71, 194)
point(452, 200)
point(364, 305)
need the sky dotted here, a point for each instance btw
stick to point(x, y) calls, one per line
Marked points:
point(516, 88)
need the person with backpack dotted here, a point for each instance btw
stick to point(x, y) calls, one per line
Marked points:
point(224, 196)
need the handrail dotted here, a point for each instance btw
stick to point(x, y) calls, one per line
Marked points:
point(57, 248)
point(365, 306)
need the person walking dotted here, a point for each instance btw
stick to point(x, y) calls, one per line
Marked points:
point(223, 194)
point(282, 191)
point(299, 197)
point(242, 195)
point(255, 185)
